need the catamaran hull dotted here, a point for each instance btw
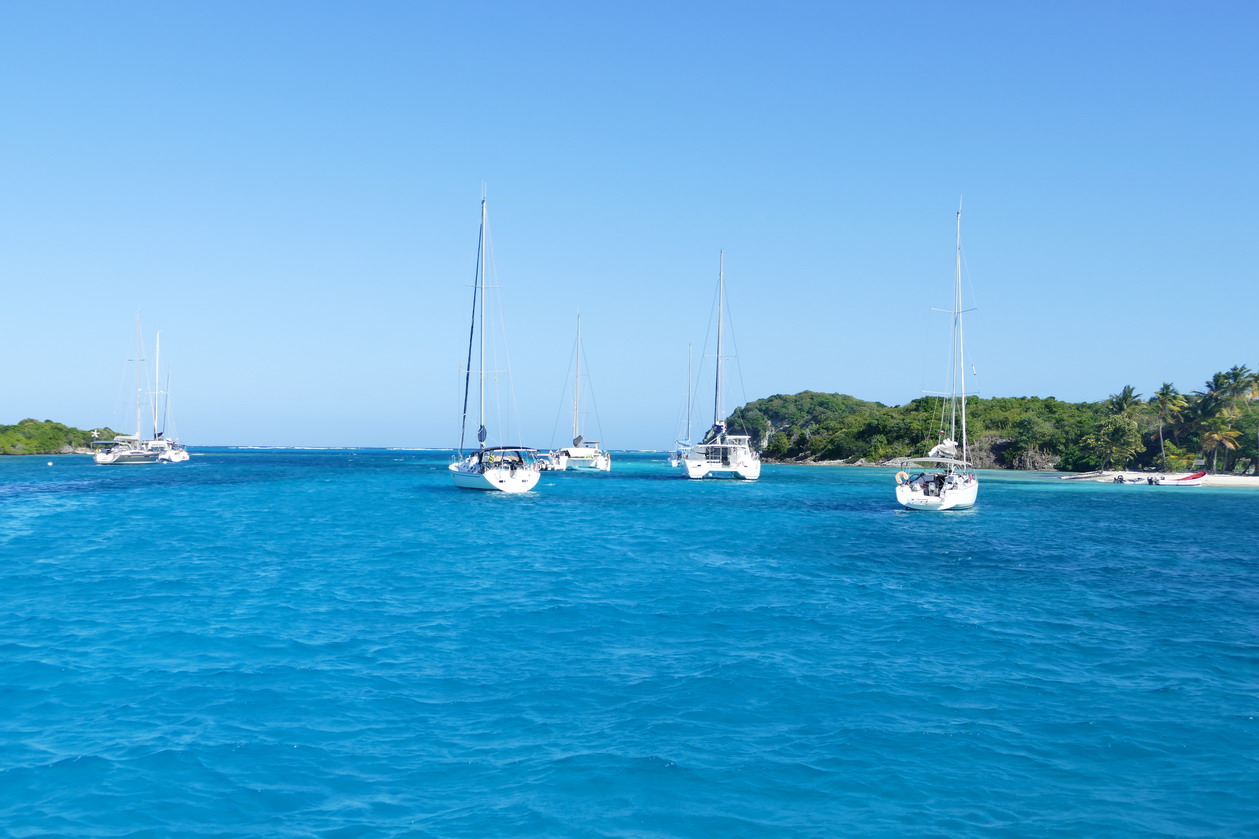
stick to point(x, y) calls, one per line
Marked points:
point(600, 464)
point(501, 480)
point(951, 498)
point(699, 469)
point(125, 458)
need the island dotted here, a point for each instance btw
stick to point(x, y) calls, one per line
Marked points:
point(31, 436)
point(1216, 428)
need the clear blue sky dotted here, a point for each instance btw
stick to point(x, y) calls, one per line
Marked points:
point(289, 191)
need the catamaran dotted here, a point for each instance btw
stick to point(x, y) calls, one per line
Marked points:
point(501, 468)
point(718, 454)
point(945, 479)
point(583, 453)
point(126, 449)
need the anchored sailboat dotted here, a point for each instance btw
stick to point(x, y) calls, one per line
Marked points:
point(720, 454)
point(501, 468)
point(127, 449)
point(683, 444)
point(583, 453)
point(947, 480)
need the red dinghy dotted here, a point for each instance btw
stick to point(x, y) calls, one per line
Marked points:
point(1194, 480)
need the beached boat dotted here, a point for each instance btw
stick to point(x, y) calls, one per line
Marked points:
point(945, 479)
point(718, 454)
point(501, 468)
point(130, 449)
point(1194, 480)
point(583, 453)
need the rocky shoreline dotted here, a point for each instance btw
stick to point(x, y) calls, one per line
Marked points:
point(62, 450)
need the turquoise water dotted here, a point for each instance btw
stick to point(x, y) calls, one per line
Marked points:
point(340, 644)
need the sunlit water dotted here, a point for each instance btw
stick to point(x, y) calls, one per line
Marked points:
point(340, 644)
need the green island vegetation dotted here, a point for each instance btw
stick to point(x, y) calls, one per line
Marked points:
point(31, 436)
point(1216, 428)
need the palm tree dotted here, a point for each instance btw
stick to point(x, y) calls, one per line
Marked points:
point(1254, 394)
point(1124, 402)
point(1168, 405)
point(1218, 435)
point(1248, 390)
point(1221, 404)
point(1238, 386)
point(1215, 386)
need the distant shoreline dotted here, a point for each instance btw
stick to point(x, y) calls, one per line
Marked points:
point(1235, 481)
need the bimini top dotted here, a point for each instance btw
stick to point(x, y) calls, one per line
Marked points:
point(946, 461)
point(510, 449)
point(732, 441)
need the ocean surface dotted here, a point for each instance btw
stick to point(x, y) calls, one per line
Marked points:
point(341, 644)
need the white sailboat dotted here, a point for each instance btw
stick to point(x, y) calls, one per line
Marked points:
point(945, 478)
point(501, 468)
point(720, 455)
point(583, 453)
point(683, 445)
point(128, 449)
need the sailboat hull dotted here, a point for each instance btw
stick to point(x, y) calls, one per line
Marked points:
point(579, 458)
point(520, 479)
point(961, 496)
point(721, 462)
point(126, 457)
point(143, 451)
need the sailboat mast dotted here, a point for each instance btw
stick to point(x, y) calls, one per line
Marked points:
point(721, 296)
point(689, 398)
point(157, 378)
point(481, 327)
point(960, 371)
point(141, 374)
point(577, 386)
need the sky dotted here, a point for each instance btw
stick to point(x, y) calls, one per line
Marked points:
point(290, 193)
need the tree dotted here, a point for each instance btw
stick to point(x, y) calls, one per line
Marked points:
point(1220, 434)
point(1125, 402)
point(1218, 408)
point(1238, 386)
point(1115, 440)
point(1241, 387)
point(1168, 405)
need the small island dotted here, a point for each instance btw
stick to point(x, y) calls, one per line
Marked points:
point(1216, 427)
point(31, 436)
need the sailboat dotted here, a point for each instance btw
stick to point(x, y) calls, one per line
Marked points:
point(720, 454)
point(945, 479)
point(583, 453)
point(683, 445)
point(501, 468)
point(132, 448)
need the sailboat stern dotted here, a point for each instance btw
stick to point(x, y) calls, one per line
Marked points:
point(503, 469)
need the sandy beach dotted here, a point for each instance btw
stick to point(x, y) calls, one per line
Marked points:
point(1209, 480)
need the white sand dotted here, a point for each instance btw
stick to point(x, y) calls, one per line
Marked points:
point(1209, 480)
